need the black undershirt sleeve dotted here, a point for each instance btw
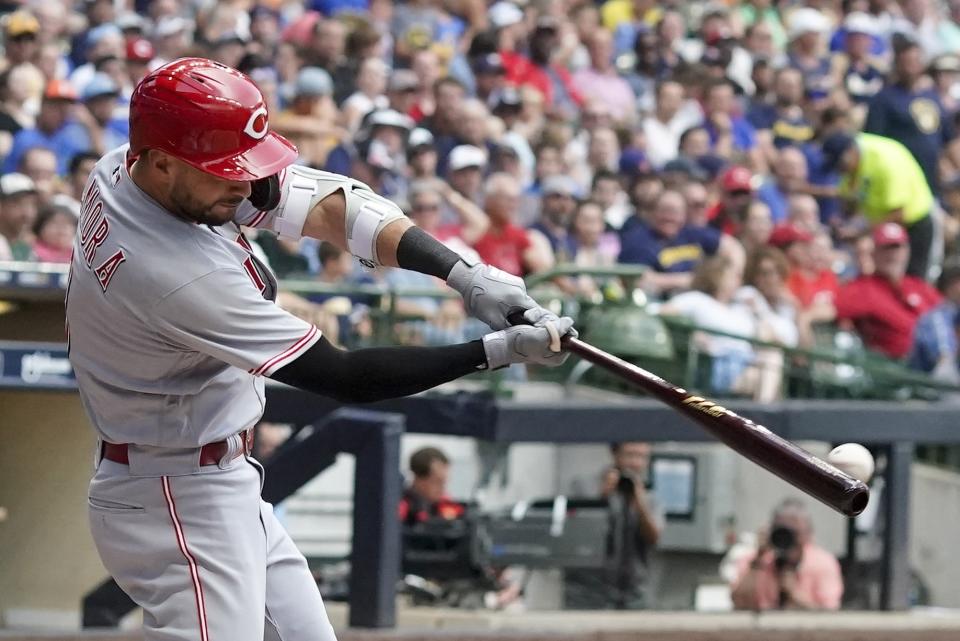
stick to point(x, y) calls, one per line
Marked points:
point(378, 373)
point(420, 252)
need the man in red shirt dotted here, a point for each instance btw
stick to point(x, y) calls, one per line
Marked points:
point(506, 245)
point(729, 213)
point(809, 285)
point(426, 496)
point(884, 307)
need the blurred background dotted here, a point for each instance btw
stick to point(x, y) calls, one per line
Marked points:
point(758, 201)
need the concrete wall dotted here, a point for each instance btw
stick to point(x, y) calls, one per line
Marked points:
point(47, 559)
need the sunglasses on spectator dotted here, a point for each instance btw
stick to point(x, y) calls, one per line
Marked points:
point(426, 207)
point(696, 204)
point(23, 37)
point(740, 192)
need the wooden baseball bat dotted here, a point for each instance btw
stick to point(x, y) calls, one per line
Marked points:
point(793, 464)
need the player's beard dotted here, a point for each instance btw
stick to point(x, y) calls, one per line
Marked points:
point(185, 205)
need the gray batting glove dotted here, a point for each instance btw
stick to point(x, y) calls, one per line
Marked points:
point(528, 344)
point(490, 294)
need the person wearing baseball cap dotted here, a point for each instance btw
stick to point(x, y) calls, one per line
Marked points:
point(490, 74)
point(884, 306)
point(20, 31)
point(888, 185)
point(310, 120)
point(139, 55)
point(55, 129)
point(422, 155)
point(813, 288)
point(465, 167)
point(107, 130)
point(18, 211)
point(736, 191)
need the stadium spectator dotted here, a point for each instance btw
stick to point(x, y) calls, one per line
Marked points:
point(421, 154)
point(731, 136)
point(672, 116)
point(40, 165)
point(429, 197)
point(601, 79)
point(425, 497)
point(910, 112)
point(945, 72)
point(20, 38)
point(857, 69)
point(814, 289)
point(558, 205)
point(18, 213)
point(594, 247)
point(310, 120)
point(934, 347)
point(465, 168)
point(16, 94)
point(884, 306)
point(806, 52)
point(505, 245)
point(697, 198)
point(789, 570)
point(789, 178)
point(672, 248)
point(55, 129)
point(736, 192)
point(53, 234)
point(888, 186)
point(803, 213)
point(107, 131)
point(370, 94)
point(327, 50)
point(551, 80)
point(79, 171)
point(757, 227)
point(380, 159)
point(782, 122)
point(607, 191)
point(636, 522)
point(402, 88)
point(766, 296)
point(709, 305)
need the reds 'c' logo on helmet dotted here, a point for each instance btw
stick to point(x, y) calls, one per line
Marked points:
point(257, 124)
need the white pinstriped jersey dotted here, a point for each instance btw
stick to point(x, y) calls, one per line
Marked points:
point(171, 324)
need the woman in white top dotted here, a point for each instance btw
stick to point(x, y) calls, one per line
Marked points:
point(711, 307)
point(370, 94)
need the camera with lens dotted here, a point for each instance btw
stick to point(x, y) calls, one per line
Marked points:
point(783, 539)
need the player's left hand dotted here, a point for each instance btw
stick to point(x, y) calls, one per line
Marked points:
point(491, 295)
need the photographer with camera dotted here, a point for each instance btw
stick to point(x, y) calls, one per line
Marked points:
point(635, 526)
point(789, 571)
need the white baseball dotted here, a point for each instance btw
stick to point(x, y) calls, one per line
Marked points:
point(854, 459)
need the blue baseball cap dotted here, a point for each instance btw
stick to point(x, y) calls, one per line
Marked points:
point(834, 146)
point(100, 85)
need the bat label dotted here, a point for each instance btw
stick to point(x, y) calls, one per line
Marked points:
point(705, 406)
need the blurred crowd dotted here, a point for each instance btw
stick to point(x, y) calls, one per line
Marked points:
point(777, 166)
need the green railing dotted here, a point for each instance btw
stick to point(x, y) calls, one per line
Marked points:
point(618, 320)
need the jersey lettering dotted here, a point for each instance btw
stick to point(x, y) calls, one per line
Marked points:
point(96, 239)
point(109, 267)
point(243, 242)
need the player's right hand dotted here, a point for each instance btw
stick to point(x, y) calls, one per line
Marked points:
point(527, 344)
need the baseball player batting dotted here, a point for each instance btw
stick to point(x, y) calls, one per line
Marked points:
point(172, 328)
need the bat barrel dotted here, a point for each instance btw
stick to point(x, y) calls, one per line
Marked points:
point(778, 455)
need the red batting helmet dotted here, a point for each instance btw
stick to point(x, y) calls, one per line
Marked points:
point(209, 116)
